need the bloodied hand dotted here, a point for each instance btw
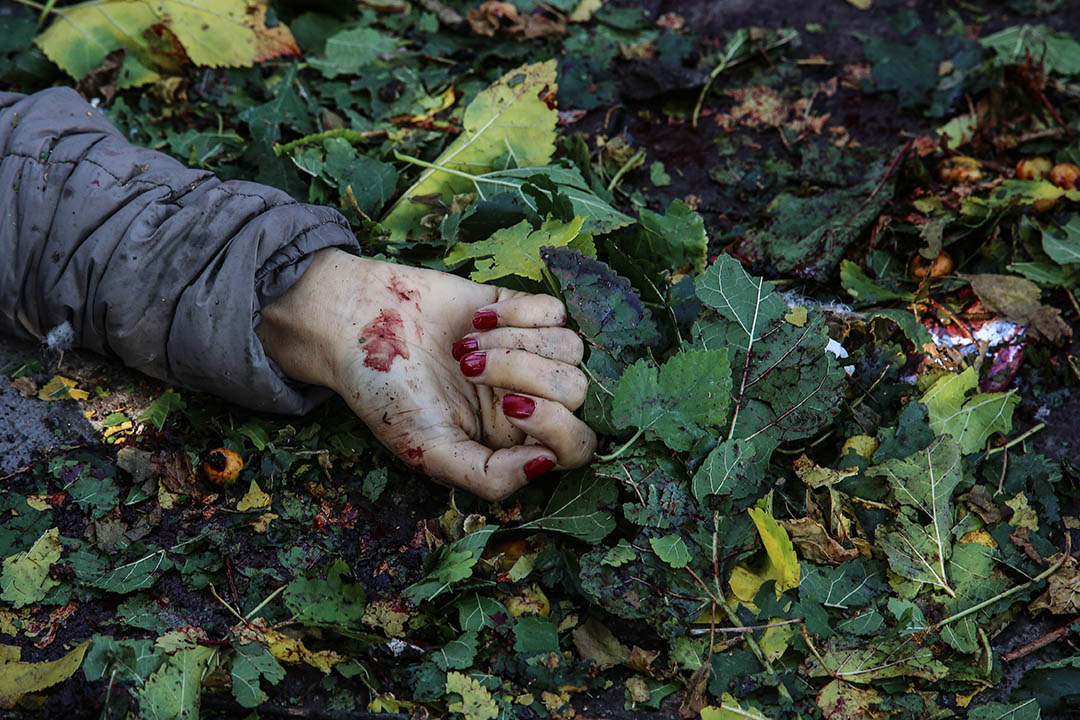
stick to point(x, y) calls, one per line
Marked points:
point(472, 384)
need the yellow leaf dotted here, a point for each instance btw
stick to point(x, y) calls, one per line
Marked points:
point(25, 578)
point(529, 600)
point(780, 563)
point(476, 701)
point(979, 536)
point(815, 476)
point(262, 522)
point(384, 614)
point(285, 648)
point(61, 388)
point(584, 10)
point(797, 316)
point(254, 498)
point(512, 117)
point(729, 710)
point(216, 33)
point(861, 4)
point(864, 446)
point(7, 623)
point(1023, 515)
point(18, 678)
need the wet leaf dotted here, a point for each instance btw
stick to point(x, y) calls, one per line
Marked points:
point(508, 124)
point(579, 507)
point(514, 250)
point(1017, 299)
point(971, 421)
point(679, 401)
point(25, 579)
point(19, 678)
point(252, 662)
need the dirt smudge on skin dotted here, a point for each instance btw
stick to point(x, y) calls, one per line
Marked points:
point(381, 340)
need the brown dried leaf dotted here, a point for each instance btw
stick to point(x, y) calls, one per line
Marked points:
point(1017, 299)
point(815, 544)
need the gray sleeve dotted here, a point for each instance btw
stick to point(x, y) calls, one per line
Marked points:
point(163, 266)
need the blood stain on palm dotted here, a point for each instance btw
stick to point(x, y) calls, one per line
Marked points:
point(414, 453)
point(403, 294)
point(381, 339)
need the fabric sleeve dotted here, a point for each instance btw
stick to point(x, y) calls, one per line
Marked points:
point(163, 266)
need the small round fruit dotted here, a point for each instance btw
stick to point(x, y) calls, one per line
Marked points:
point(960, 169)
point(222, 466)
point(921, 267)
point(1066, 176)
point(1043, 205)
point(1033, 168)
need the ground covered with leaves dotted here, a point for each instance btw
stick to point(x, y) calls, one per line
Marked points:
point(824, 256)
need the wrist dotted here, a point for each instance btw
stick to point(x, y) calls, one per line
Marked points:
point(302, 330)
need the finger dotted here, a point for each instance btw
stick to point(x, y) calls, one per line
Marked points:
point(526, 311)
point(524, 372)
point(493, 475)
point(572, 441)
point(498, 431)
point(554, 343)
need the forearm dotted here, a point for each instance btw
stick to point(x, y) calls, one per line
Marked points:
point(166, 267)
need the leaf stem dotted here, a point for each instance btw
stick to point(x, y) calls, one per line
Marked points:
point(36, 6)
point(1011, 591)
point(618, 453)
point(344, 133)
point(1016, 441)
point(629, 165)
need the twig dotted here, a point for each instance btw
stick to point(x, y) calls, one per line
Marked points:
point(28, 3)
point(1011, 591)
point(888, 173)
point(745, 628)
point(1016, 441)
point(814, 651)
point(627, 166)
point(1037, 644)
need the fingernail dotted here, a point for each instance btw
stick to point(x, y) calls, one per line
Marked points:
point(537, 467)
point(473, 364)
point(518, 406)
point(485, 319)
point(464, 346)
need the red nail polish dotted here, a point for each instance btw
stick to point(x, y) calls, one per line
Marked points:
point(537, 467)
point(485, 319)
point(463, 347)
point(473, 364)
point(518, 406)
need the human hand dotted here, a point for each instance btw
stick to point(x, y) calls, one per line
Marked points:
point(474, 385)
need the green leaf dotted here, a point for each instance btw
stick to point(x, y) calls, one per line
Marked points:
point(533, 634)
point(852, 584)
point(134, 575)
point(672, 550)
point(675, 240)
point(860, 662)
point(173, 691)
point(924, 481)
point(371, 182)
point(915, 331)
point(678, 403)
point(375, 483)
point(580, 506)
point(607, 310)
point(508, 124)
point(1024, 710)
point(252, 661)
point(731, 468)
point(158, 412)
point(787, 386)
point(327, 603)
point(514, 250)
point(526, 182)
point(349, 51)
point(859, 286)
point(622, 553)
point(1062, 242)
point(658, 175)
point(969, 420)
point(456, 654)
point(477, 612)
point(25, 578)
point(450, 564)
point(1059, 52)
